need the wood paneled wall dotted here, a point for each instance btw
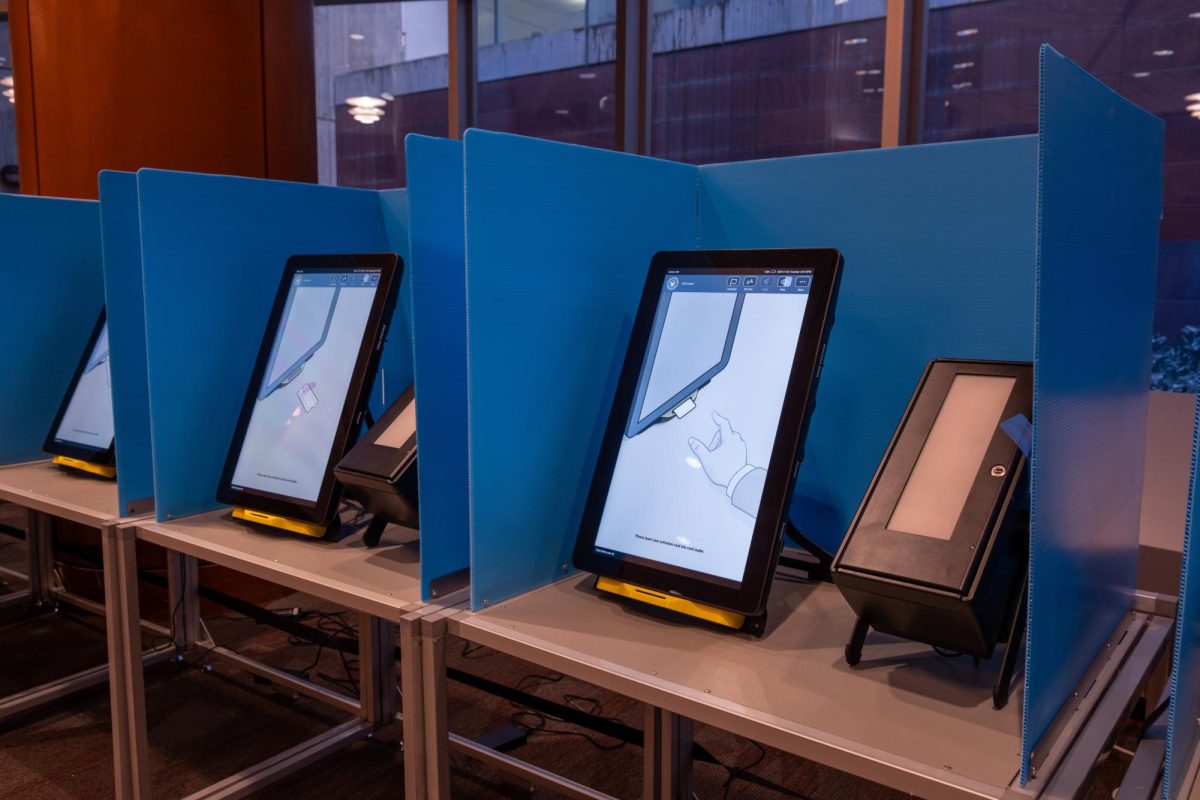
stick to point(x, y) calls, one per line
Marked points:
point(223, 86)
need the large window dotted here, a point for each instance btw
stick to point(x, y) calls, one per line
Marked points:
point(743, 79)
point(8, 122)
point(546, 69)
point(381, 74)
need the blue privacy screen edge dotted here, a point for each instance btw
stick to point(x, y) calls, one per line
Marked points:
point(1185, 667)
point(127, 338)
point(213, 251)
point(1099, 204)
point(559, 240)
point(438, 272)
point(45, 322)
point(396, 361)
point(917, 284)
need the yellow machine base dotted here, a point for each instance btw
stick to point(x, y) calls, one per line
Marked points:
point(86, 466)
point(313, 529)
point(691, 608)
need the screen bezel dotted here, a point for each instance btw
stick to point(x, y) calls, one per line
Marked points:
point(104, 456)
point(750, 594)
point(362, 378)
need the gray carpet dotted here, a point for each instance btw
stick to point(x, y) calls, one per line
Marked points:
point(205, 725)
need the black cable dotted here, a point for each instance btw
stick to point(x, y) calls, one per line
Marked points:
point(1153, 716)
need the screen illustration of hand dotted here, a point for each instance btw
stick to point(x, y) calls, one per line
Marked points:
point(726, 462)
point(724, 455)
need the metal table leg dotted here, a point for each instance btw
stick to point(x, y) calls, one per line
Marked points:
point(437, 730)
point(39, 545)
point(413, 707)
point(668, 756)
point(130, 739)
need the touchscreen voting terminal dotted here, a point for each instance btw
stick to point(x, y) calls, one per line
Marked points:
point(82, 434)
point(304, 405)
point(688, 503)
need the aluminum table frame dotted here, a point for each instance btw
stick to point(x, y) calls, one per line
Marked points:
point(905, 717)
point(382, 585)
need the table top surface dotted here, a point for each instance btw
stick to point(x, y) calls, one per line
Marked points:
point(60, 492)
point(906, 716)
point(384, 581)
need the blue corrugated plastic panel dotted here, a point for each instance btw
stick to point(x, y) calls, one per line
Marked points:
point(939, 249)
point(53, 280)
point(1099, 202)
point(213, 251)
point(435, 185)
point(1185, 669)
point(126, 309)
point(559, 239)
point(396, 361)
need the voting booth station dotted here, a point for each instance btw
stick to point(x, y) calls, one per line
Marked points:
point(843, 454)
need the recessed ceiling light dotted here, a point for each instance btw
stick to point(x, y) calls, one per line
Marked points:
point(562, 112)
point(8, 93)
point(6, 80)
point(856, 40)
point(1164, 53)
point(1193, 96)
point(964, 65)
point(869, 91)
point(874, 72)
point(1194, 15)
point(840, 2)
point(1141, 74)
point(587, 76)
point(387, 96)
point(960, 86)
point(366, 101)
point(358, 37)
point(860, 72)
point(967, 32)
point(1194, 107)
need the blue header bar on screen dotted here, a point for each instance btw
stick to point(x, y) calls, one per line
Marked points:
point(777, 281)
point(351, 279)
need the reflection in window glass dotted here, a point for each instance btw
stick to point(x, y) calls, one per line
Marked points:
point(381, 74)
point(8, 121)
point(546, 69)
point(741, 79)
point(982, 80)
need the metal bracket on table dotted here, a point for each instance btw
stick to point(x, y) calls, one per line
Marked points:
point(1067, 754)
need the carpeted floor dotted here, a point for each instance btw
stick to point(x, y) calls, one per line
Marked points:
point(207, 721)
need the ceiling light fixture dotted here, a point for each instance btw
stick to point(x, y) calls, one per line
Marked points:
point(856, 40)
point(960, 86)
point(1194, 107)
point(1164, 53)
point(587, 76)
point(1194, 15)
point(6, 80)
point(357, 37)
point(1193, 96)
point(967, 32)
point(964, 65)
point(1141, 74)
point(562, 112)
point(366, 101)
point(860, 72)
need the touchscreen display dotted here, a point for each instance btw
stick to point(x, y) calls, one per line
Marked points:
point(88, 420)
point(689, 475)
point(292, 427)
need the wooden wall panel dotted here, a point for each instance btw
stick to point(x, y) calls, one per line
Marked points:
point(123, 84)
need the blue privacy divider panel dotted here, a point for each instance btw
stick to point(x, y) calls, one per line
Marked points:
point(53, 283)
point(559, 238)
point(213, 250)
point(396, 361)
point(1099, 202)
point(435, 186)
point(938, 242)
point(127, 339)
point(1185, 669)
